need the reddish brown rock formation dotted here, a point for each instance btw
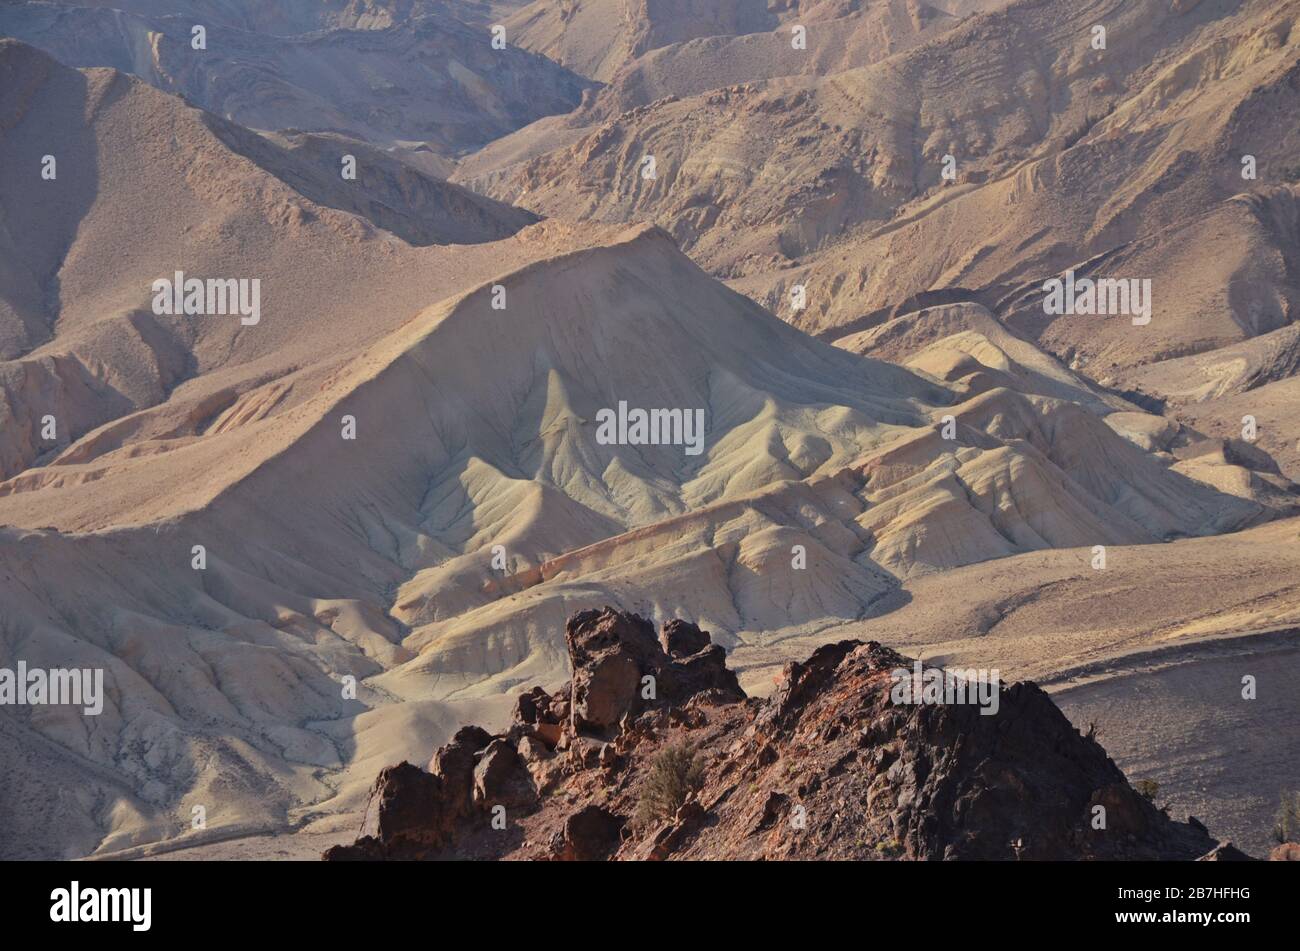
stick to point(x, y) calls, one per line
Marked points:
point(619, 667)
point(682, 639)
point(828, 767)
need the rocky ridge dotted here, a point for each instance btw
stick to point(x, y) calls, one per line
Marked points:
point(827, 767)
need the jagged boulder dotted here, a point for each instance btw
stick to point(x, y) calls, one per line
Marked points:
point(613, 653)
point(682, 639)
point(702, 672)
point(530, 706)
point(608, 650)
point(591, 834)
point(414, 814)
point(454, 764)
point(405, 817)
point(604, 690)
point(541, 716)
point(501, 778)
point(402, 802)
point(801, 681)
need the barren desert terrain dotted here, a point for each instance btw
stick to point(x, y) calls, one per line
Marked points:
point(314, 524)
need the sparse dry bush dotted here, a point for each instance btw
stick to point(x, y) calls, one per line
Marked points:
point(675, 772)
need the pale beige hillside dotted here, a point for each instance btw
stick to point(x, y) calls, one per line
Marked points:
point(956, 340)
point(223, 683)
point(549, 381)
point(965, 346)
point(1153, 191)
point(1224, 372)
point(634, 44)
point(1273, 407)
point(390, 189)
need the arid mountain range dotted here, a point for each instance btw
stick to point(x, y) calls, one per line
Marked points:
point(316, 537)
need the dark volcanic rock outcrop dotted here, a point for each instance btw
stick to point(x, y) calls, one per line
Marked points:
point(619, 667)
point(829, 767)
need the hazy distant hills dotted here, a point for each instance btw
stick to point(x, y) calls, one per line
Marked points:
point(287, 17)
point(430, 79)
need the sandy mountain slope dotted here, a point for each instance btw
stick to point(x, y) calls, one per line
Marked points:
point(378, 571)
point(911, 508)
point(1273, 409)
point(954, 340)
point(430, 79)
point(861, 36)
point(964, 345)
point(1153, 190)
point(887, 119)
point(393, 194)
point(845, 36)
point(91, 353)
point(595, 37)
point(77, 327)
point(1201, 299)
point(634, 45)
point(1225, 371)
point(1159, 678)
